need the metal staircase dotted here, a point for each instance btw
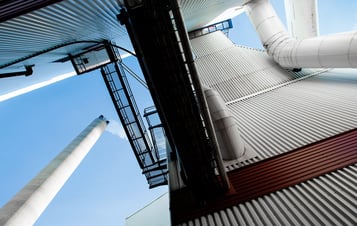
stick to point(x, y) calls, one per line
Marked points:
point(153, 165)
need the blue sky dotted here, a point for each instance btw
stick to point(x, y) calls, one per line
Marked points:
point(108, 186)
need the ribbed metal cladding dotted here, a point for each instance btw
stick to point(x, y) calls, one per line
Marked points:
point(290, 115)
point(284, 171)
point(206, 9)
point(236, 71)
point(62, 22)
point(73, 20)
point(13, 8)
point(298, 114)
point(327, 200)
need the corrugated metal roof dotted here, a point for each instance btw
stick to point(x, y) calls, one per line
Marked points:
point(13, 8)
point(67, 21)
point(280, 172)
point(59, 23)
point(198, 13)
point(73, 20)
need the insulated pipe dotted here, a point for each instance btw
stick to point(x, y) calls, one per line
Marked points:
point(230, 142)
point(29, 203)
point(331, 51)
point(301, 16)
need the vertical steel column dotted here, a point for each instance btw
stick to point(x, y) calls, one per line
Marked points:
point(29, 203)
point(164, 54)
point(200, 94)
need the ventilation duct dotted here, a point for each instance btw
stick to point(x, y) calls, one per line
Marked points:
point(230, 142)
point(332, 51)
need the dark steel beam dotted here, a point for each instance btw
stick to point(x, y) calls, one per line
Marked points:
point(28, 71)
point(163, 53)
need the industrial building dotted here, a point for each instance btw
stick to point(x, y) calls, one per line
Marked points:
point(241, 136)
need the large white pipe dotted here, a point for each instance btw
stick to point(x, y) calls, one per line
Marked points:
point(301, 16)
point(29, 203)
point(332, 51)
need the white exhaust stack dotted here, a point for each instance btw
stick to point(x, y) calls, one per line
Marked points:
point(29, 203)
point(332, 51)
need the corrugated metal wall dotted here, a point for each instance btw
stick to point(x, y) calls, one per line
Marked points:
point(327, 200)
point(288, 117)
point(236, 71)
point(277, 173)
point(274, 122)
point(298, 114)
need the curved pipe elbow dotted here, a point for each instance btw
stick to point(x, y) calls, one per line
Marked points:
point(331, 51)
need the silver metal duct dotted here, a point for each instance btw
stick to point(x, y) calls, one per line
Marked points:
point(332, 51)
point(29, 203)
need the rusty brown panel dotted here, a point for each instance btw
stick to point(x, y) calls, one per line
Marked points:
point(276, 173)
point(10, 9)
